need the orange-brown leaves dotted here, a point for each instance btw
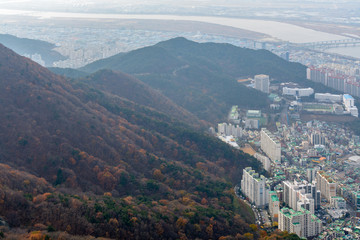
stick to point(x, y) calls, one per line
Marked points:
point(158, 175)
point(106, 179)
point(181, 222)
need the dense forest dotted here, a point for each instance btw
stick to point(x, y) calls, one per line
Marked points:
point(80, 159)
point(201, 77)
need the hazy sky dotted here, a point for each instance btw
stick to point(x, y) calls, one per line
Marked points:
point(321, 9)
point(106, 3)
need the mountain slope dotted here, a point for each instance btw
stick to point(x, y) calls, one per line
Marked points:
point(68, 72)
point(88, 162)
point(124, 85)
point(143, 60)
point(25, 46)
point(201, 77)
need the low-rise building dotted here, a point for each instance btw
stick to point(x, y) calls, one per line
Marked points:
point(327, 97)
point(298, 92)
point(338, 203)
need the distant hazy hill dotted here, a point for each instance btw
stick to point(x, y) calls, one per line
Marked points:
point(202, 77)
point(68, 72)
point(25, 46)
point(82, 160)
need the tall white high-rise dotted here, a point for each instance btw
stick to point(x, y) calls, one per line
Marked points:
point(270, 145)
point(262, 83)
point(274, 206)
point(254, 187)
point(299, 195)
point(326, 185)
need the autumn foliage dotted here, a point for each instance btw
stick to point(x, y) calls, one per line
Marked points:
point(87, 162)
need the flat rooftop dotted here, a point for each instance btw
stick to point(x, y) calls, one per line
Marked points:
point(348, 97)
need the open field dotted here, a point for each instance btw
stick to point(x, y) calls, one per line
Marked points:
point(328, 118)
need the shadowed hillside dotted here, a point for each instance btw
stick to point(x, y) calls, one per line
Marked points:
point(89, 162)
point(128, 87)
point(201, 77)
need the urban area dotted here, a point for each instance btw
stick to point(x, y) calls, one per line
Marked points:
point(312, 168)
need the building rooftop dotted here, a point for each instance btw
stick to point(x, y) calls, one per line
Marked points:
point(274, 198)
point(348, 97)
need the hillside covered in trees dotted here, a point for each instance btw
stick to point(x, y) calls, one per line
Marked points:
point(80, 159)
point(25, 46)
point(201, 77)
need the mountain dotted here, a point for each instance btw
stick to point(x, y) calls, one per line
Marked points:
point(89, 162)
point(68, 72)
point(25, 46)
point(128, 87)
point(201, 77)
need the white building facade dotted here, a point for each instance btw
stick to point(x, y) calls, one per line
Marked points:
point(327, 97)
point(298, 92)
point(302, 222)
point(274, 206)
point(299, 195)
point(270, 145)
point(228, 129)
point(326, 185)
point(262, 83)
point(254, 187)
point(264, 160)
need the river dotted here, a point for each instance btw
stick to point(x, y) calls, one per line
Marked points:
point(278, 30)
point(347, 51)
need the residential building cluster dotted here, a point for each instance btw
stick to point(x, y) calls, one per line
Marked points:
point(326, 103)
point(302, 222)
point(228, 129)
point(317, 179)
point(336, 79)
point(299, 195)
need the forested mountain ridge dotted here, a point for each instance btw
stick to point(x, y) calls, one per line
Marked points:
point(25, 46)
point(201, 77)
point(88, 162)
point(128, 87)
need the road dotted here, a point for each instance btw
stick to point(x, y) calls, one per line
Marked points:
point(258, 217)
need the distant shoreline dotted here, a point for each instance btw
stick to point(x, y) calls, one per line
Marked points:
point(279, 30)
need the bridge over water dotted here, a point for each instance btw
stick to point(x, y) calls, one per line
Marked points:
point(350, 42)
